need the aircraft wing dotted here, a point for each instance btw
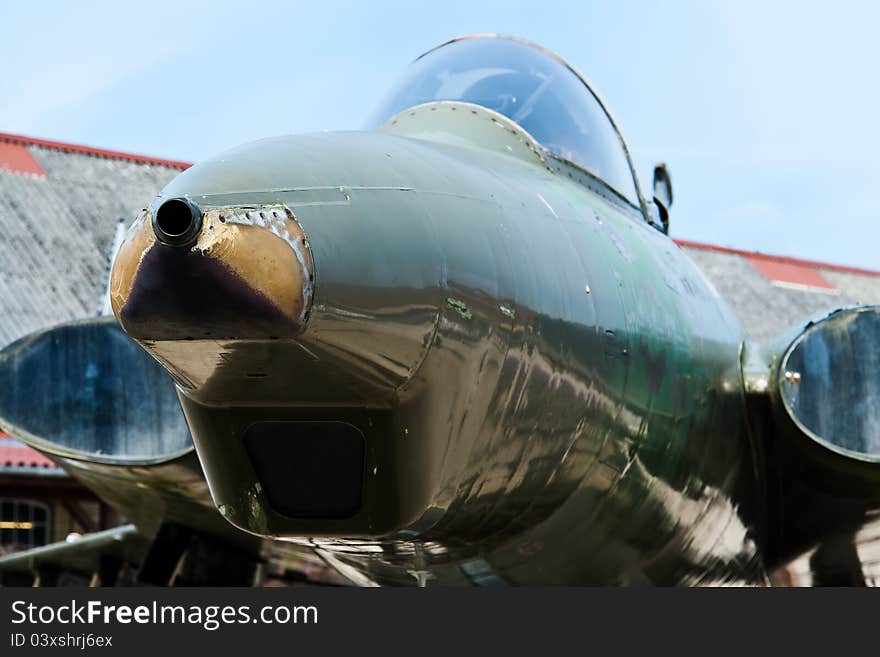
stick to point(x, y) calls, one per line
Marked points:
point(101, 553)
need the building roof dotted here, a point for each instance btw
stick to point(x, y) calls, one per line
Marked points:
point(11, 141)
point(769, 293)
point(60, 205)
point(59, 208)
point(18, 458)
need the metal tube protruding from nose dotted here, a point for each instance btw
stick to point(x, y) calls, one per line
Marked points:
point(177, 222)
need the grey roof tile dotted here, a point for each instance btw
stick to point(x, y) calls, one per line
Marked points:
point(57, 231)
point(766, 309)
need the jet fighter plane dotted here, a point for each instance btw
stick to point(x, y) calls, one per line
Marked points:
point(455, 348)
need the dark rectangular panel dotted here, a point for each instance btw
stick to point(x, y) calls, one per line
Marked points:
point(308, 469)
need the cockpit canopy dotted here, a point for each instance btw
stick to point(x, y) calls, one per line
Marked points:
point(529, 86)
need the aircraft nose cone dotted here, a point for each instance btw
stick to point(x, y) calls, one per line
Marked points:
point(222, 272)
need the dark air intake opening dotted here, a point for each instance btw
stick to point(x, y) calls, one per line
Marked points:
point(308, 469)
point(177, 222)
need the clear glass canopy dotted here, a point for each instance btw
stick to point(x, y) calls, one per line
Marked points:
point(526, 84)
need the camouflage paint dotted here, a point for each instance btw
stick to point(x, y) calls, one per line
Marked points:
point(549, 389)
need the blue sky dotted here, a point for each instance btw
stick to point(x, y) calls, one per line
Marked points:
point(766, 112)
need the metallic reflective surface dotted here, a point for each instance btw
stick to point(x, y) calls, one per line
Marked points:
point(548, 390)
point(61, 388)
point(810, 403)
point(830, 386)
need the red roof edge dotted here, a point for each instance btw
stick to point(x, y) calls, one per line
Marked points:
point(21, 455)
point(89, 150)
point(788, 260)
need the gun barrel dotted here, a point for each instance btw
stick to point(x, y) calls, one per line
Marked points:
point(177, 222)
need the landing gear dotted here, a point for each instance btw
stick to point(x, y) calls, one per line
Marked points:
point(181, 557)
